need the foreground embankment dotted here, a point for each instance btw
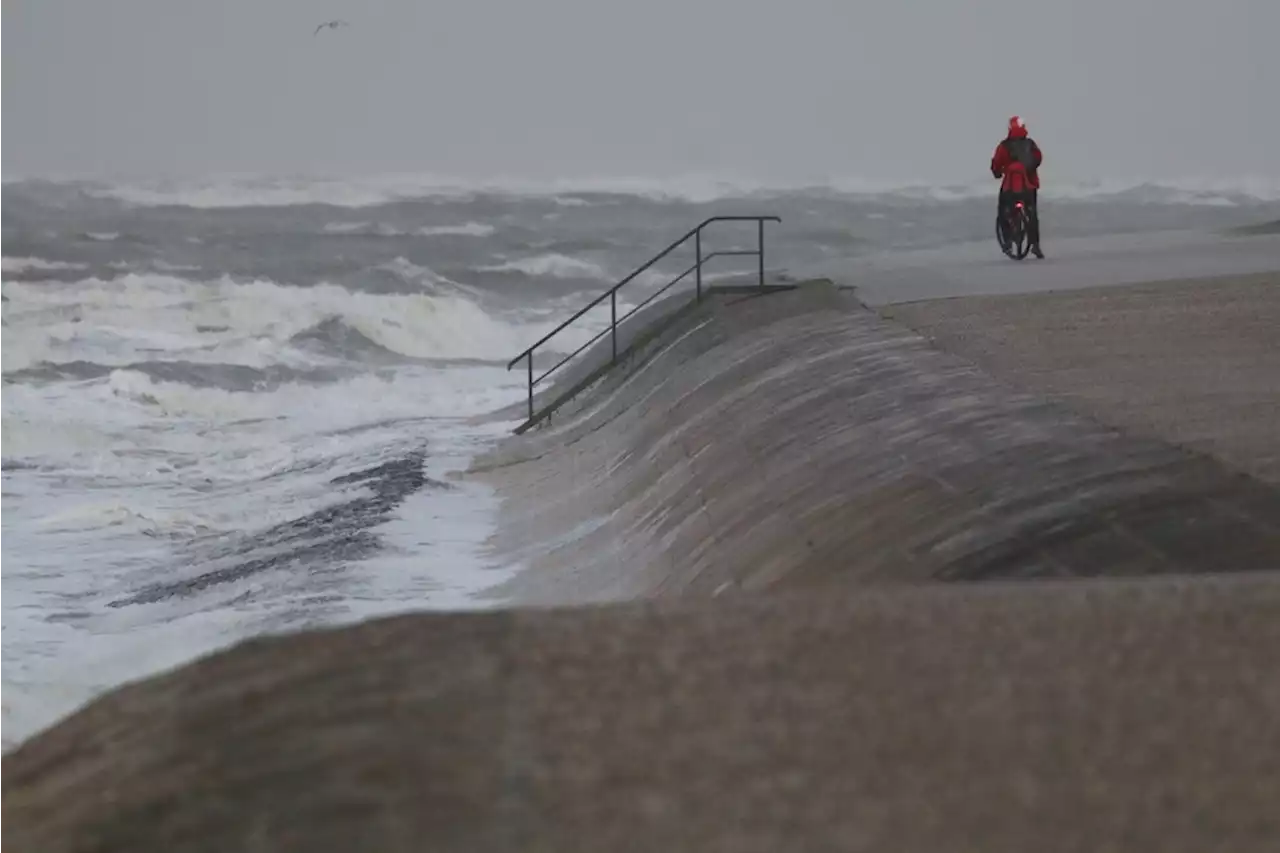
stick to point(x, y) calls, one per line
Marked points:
point(803, 494)
point(1063, 716)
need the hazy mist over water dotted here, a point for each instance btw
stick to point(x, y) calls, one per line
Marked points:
point(806, 91)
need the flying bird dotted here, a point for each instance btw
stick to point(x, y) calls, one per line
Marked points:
point(333, 25)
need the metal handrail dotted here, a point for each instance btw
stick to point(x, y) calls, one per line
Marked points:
point(612, 293)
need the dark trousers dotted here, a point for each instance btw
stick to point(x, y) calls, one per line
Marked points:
point(1027, 197)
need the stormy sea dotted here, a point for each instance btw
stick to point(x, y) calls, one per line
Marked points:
point(239, 406)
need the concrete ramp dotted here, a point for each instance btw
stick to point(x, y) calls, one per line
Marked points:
point(1194, 362)
point(1079, 262)
point(800, 439)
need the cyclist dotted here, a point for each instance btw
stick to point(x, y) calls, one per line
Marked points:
point(1017, 161)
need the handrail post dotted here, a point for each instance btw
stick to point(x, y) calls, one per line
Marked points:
point(697, 246)
point(530, 384)
point(613, 322)
point(760, 222)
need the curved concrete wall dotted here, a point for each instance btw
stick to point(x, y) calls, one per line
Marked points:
point(798, 438)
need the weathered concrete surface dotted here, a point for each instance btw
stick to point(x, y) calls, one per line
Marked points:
point(1193, 362)
point(799, 439)
point(979, 268)
point(1051, 717)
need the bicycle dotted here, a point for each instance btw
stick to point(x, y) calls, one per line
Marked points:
point(1012, 235)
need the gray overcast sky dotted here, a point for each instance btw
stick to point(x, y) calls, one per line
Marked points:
point(913, 90)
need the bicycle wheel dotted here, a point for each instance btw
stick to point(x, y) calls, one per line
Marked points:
point(1019, 245)
point(1002, 235)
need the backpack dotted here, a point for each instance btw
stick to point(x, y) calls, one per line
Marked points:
point(1023, 151)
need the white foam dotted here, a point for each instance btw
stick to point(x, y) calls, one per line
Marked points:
point(161, 265)
point(235, 191)
point(24, 264)
point(466, 229)
point(453, 532)
point(143, 467)
point(429, 280)
point(148, 316)
point(365, 191)
point(258, 191)
point(130, 429)
point(346, 227)
point(553, 265)
point(333, 406)
point(382, 229)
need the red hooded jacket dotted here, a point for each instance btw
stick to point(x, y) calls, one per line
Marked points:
point(1018, 175)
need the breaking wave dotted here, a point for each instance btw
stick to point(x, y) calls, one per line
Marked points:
point(553, 265)
point(382, 189)
point(22, 265)
point(382, 229)
point(228, 377)
point(149, 318)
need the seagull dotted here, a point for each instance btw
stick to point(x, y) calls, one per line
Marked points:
point(333, 25)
